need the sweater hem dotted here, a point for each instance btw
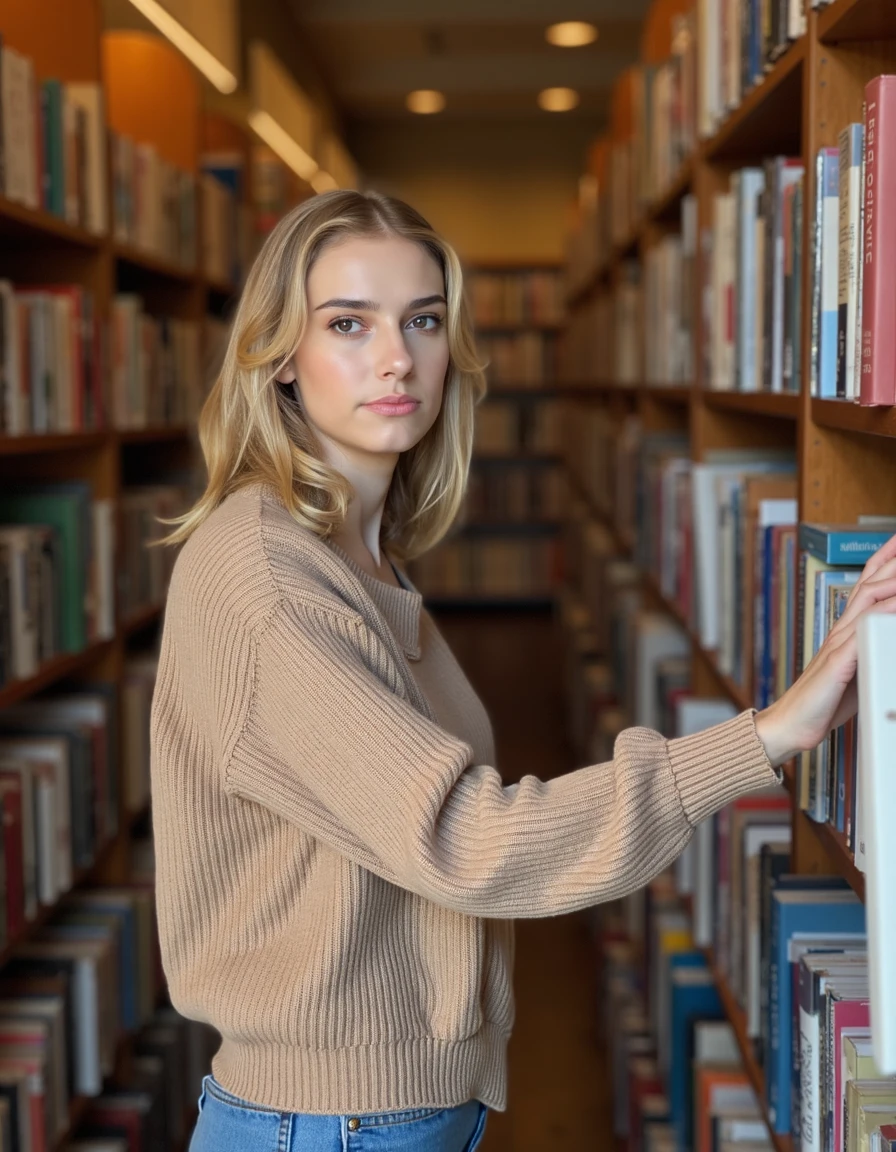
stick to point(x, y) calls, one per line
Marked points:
point(419, 1072)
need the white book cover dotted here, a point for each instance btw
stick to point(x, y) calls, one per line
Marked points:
point(749, 185)
point(877, 720)
point(89, 98)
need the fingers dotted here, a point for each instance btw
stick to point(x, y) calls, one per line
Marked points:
point(865, 596)
point(881, 557)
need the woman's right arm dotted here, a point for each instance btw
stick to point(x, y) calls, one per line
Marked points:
point(333, 746)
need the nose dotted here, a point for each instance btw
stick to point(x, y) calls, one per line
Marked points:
point(394, 361)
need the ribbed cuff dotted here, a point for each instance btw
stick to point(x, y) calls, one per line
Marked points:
point(714, 767)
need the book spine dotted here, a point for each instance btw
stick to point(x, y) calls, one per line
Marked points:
point(850, 176)
point(827, 368)
point(878, 316)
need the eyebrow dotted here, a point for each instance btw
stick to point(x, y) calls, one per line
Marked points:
point(372, 306)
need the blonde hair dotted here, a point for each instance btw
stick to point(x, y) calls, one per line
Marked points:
point(251, 428)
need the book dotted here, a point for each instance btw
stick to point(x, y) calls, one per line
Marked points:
point(878, 315)
point(876, 637)
point(851, 141)
point(825, 268)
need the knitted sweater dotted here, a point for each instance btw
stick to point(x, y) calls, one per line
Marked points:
point(338, 861)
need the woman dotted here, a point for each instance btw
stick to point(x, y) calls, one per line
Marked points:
point(339, 866)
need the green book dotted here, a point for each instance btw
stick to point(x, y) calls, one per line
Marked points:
point(66, 508)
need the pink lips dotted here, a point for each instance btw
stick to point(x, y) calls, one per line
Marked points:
point(394, 405)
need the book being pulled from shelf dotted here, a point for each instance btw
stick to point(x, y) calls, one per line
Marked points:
point(156, 367)
point(51, 372)
point(52, 143)
point(154, 202)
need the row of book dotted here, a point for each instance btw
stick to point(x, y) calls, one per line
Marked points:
point(513, 299)
point(520, 358)
point(71, 565)
point(70, 762)
point(670, 303)
point(156, 367)
point(604, 341)
point(491, 568)
point(508, 427)
point(754, 339)
point(155, 203)
point(52, 143)
point(64, 369)
point(740, 41)
point(516, 495)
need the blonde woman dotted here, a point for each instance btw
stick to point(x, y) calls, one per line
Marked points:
point(339, 865)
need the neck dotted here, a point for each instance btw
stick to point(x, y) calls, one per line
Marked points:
point(370, 479)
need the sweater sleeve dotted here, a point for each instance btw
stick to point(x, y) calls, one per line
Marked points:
point(332, 743)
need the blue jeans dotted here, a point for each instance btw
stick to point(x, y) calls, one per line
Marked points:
point(228, 1124)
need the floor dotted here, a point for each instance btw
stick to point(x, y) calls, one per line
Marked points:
point(558, 1091)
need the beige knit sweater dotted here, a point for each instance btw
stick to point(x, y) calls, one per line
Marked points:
point(338, 862)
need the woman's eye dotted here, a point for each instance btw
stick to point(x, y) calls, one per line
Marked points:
point(344, 326)
point(425, 323)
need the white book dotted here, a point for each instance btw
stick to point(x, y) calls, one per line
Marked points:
point(715, 1043)
point(89, 99)
point(877, 720)
point(850, 141)
point(657, 637)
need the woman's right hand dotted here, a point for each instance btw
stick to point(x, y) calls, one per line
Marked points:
point(825, 696)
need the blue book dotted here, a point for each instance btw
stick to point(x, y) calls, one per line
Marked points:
point(795, 911)
point(85, 912)
point(826, 258)
point(842, 543)
point(694, 997)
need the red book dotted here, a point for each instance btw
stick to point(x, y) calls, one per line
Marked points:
point(878, 249)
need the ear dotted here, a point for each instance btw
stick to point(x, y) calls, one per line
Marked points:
point(287, 374)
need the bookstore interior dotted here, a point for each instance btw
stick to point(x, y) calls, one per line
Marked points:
point(686, 454)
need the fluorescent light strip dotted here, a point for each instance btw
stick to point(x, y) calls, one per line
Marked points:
point(209, 65)
point(283, 144)
point(323, 182)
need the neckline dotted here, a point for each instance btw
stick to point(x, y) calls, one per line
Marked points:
point(401, 606)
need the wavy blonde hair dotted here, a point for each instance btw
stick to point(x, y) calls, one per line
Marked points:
point(251, 427)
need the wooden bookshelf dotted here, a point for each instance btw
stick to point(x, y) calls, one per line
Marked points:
point(845, 464)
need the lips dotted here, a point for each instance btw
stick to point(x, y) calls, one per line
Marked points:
point(393, 405)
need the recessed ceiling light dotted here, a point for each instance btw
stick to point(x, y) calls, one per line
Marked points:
point(558, 99)
point(425, 101)
point(571, 34)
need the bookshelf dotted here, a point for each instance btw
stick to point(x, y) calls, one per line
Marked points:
point(845, 458)
point(506, 551)
point(152, 96)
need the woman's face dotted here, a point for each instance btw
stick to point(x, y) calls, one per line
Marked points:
point(371, 365)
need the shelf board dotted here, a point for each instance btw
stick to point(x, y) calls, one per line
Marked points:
point(34, 444)
point(785, 405)
point(669, 393)
point(510, 528)
point(520, 326)
point(737, 1019)
point(156, 265)
point(159, 432)
point(846, 416)
point(769, 119)
point(35, 224)
point(137, 621)
point(462, 603)
point(667, 206)
point(221, 287)
point(847, 20)
point(52, 671)
point(521, 459)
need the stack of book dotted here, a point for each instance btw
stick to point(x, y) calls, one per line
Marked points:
point(154, 203)
point(51, 369)
point(52, 143)
point(513, 299)
point(156, 373)
point(669, 294)
point(740, 41)
point(144, 570)
point(510, 428)
point(57, 556)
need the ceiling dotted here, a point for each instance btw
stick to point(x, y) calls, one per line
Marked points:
point(489, 57)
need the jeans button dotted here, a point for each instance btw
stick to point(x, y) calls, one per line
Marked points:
point(354, 1124)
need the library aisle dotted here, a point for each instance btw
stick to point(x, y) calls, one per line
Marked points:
point(559, 1095)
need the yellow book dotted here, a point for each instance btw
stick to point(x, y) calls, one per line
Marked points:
point(862, 1095)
